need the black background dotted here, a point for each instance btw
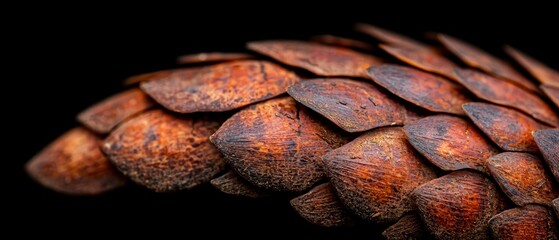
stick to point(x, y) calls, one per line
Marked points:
point(62, 61)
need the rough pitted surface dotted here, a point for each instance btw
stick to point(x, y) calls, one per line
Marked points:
point(428, 60)
point(220, 87)
point(523, 178)
point(423, 89)
point(548, 143)
point(504, 93)
point(352, 105)
point(458, 205)
point(478, 58)
point(319, 59)
point(276, 145)
point(322, 207)
point(540, 71)
point(106, 115)
point(164, 151)
point(233, 184)
point(409, 227)
point(450, 143)
point(508, 128)
point(375, 174)
point(525, 223)
point(74, 164)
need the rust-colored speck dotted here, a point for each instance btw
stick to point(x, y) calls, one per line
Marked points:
point(342, 42)
point(510, 129)
point(375, 174)
point(104, 116)
point(540, 71)
point(523, 178)
point(548, 143)
point(233, 184)
point(552, 93)
point(429, 60)
point(212, 57)
point(74, 164)
point(423, 89)
point(458, 205)
point(317, 58)
point(531, 222)
point(221, 87)
point(409, 227)
point(451, 143)
point(389, 37)
point(276, 145)
point(478, 58)
point(322, 207)
point(504, 93)
point(352, 105)
point(164, 151)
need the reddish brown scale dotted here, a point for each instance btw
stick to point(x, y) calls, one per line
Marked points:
point(552, 93)
point(477, 58)
point(409, 227)
point(540, 71)
point(107, 114)
point(184, 73)
point(523, 178)
point(352, 105)
point(165, 152)
point(212, 57)
point(276, 145)
point(221, 87)
point(428, 60)
point(389, 37)
point(531, 222)
point(342, 42)
point(322, 207)
point(74, 164)
point(423, 89)
point(505, 93)
point(548, 143)
point(319, 59)
point(375, 174)
point(510, 129)
point(458, 205)
point(233, 184)
point(450, 143)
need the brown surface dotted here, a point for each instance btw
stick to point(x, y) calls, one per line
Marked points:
point(548, 143)
point(523, 178)
point(555, 204)
point(375, 174)
point(221, 87)
point(530, 222)
point(505, 93)
point(428, 60)
point(458, 205)
point(540, 71)
point(450, 143)
point(107, 114)
point(212, 57)
point(352, 105)
point(322, 207)
point(478, 58)
point(319, 59)
point(233, 184)
point(276, 145)
point(185, 73)
point(508, 128)
point(552, 93)
point(342, 42)
point(389, 37)
point(165, 152)
point(423, 89)
point(409, 227)
point(74, 164)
